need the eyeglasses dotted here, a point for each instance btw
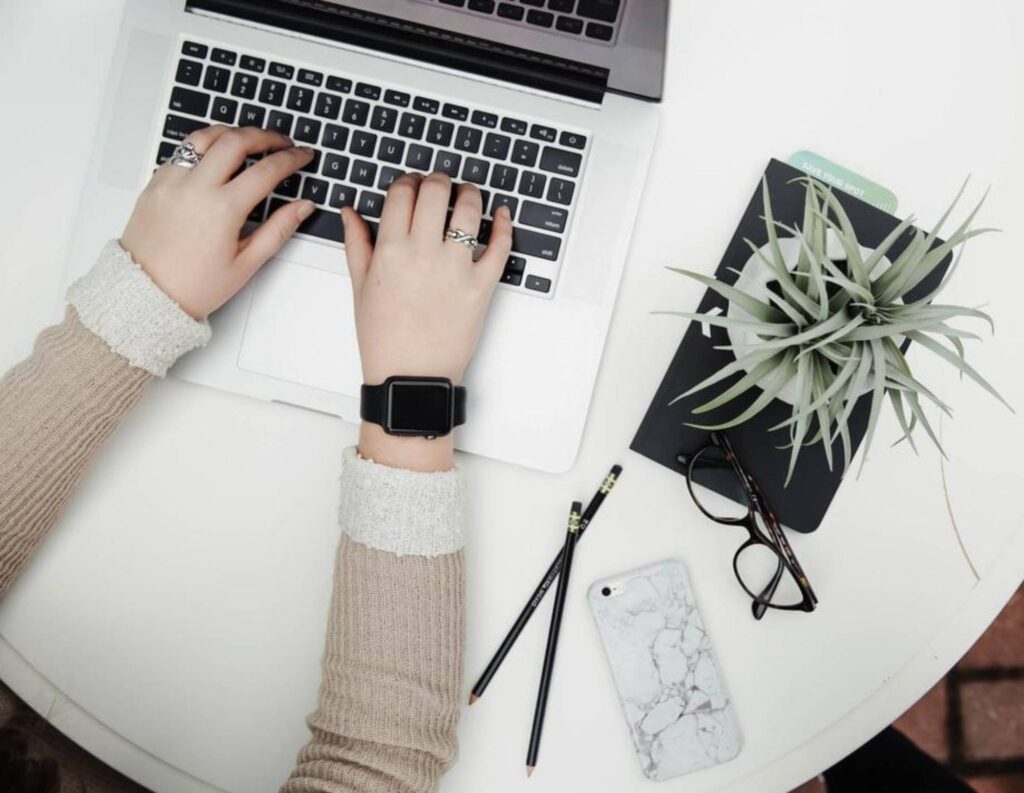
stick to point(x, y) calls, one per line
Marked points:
point(765, 564)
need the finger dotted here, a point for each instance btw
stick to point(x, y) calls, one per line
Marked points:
point(466, 216)
point(268, 238)
point(258, 180)
point(431, 209)
point(201, 140)
point(396, 217)
point(491, 265)
point(228, 152)
point(358, 246)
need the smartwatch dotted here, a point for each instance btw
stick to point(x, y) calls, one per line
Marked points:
point(425, 407)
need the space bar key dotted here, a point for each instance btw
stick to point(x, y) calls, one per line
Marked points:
point(531, 243)
point(324, 224)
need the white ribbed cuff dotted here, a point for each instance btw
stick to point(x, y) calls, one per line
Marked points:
point(409, 513)
point(118, 302)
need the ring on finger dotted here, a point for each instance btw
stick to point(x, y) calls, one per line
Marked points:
point(458, 235)
point(185, 155)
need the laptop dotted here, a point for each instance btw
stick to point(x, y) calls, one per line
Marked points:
point(549, 106)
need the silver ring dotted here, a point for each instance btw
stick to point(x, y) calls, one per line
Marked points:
point(458, 235)
point(185, 156)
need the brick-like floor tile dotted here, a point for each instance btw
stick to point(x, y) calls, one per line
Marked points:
point(925, 723)
point(993, 719)
point(998, 784)
point(1002, 644)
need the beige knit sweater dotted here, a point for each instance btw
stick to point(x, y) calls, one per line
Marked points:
point(387, 711)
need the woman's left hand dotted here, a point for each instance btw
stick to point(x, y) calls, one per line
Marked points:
point(184, 232)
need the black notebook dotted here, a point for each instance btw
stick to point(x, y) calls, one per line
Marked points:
point(663, 434)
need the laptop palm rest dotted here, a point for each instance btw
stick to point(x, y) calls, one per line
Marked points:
point(301, 328)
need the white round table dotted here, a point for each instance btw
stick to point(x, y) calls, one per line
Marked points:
point(173, 622)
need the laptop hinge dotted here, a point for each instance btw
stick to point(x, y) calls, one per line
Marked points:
point(401, 38)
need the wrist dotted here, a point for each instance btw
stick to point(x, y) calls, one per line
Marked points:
point(410, 453)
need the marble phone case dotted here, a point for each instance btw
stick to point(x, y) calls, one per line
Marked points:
point(665, 671)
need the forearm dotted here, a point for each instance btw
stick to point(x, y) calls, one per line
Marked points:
point(388, 707)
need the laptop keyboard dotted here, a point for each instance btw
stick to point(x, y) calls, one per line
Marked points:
point(366, 134)
point(589, 20)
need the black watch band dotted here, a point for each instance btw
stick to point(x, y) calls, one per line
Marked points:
point(426, 407)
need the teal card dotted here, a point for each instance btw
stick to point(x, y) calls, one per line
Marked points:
point(846, 180)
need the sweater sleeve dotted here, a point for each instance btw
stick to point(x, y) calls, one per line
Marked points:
point(388, 707)
point(58, 407)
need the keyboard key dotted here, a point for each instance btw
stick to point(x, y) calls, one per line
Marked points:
point(340, 85)
point(509, 11)
point(364, 143)
point(300, 99)
point(252, 116)
point(504, 177)
point(533, 243)
point(244, 86)
point(419, 157)
point(226, 57)
point(179, 127)
point(468, 139)
point(323, 223)
point(272, 92)
point(561, 191)
point(384, 119)
point(280, 122)
point(315, 190)
point(513, 125)
point(475, 170)
point(391, 150)
point(515, 279)
point(538, 284)
point(387, 176)
point(282, 70)
point(342, 196)
point(440, 132)
point(192, 103)
point(542, 216)
point(458, 3)
point(561, 6)
point(426, 105)
point(258, 212)
point(165, 151)
point(482, 119)
point(194, 49)
point(217, 79)
point(290, 186)
point(335, 137)
point(560, 161)
point(458, 112)
point(328, 106)
point(569, 25)
point(309, 77)
point(532, 184)
point(515, 264)
point(485, 201)
point(411, 126)
point(483, 6)
point(252, 64)
point(335, 166)
point(524, 153)
point(363, 173)
point(541, 18)
point(224, 110)
point(356, 112)
point(596, 30)
point(536, 3)
point(601, 10)
point(189, 72)
point(368, 91)
point(543, 133)
point(502, 199)
point(572, 140)
point(313, 166)
point(496, 146)
point(448, 162)
point(307, 130)
point(397, 98)
point(370, 204)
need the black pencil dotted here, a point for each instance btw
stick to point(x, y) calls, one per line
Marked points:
point(541, 590)
point(571, 535)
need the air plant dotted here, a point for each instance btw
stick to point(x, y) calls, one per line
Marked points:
point(834, 330)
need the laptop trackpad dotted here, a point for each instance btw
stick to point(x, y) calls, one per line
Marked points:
point(301, 328)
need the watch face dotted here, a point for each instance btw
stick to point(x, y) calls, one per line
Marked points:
point(420, 407)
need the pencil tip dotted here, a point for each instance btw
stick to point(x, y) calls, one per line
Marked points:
point(473, 698)
point(529, 770)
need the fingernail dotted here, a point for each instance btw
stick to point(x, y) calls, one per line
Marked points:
point(503, 210)
point(306, 209)
point(306, 149)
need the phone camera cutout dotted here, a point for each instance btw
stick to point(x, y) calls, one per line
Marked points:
point(606, 591)
point(613, 590)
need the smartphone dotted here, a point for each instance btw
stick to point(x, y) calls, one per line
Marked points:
point(663, 666)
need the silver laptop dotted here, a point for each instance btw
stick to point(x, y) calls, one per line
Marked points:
point(549, 106)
